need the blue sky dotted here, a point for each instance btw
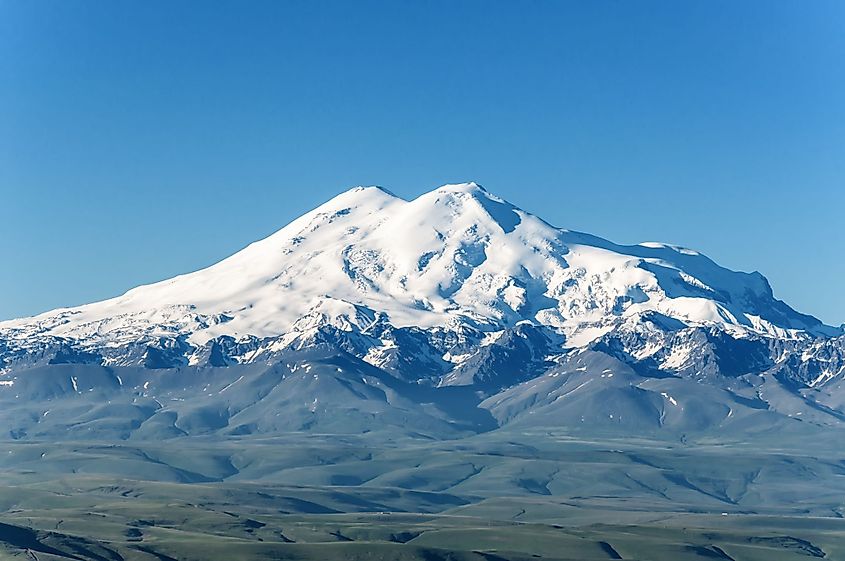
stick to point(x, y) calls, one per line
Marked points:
point(139, 140)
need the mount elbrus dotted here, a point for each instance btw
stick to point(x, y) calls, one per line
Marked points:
point(453, 313)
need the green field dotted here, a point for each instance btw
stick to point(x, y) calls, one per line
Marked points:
point(501, 495)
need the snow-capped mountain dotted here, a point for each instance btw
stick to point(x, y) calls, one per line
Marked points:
point(457, 256)
point(454, 288)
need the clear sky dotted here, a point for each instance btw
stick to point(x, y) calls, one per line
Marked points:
point(139, 140)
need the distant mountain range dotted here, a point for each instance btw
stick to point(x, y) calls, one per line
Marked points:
point(454, 312)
